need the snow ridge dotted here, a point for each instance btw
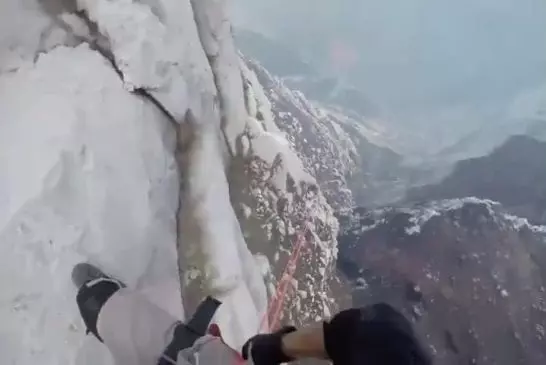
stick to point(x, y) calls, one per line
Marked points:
point(419, 216)
point(519, 223)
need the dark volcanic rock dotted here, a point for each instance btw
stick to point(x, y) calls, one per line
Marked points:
point(470, 276)
point(513, 174)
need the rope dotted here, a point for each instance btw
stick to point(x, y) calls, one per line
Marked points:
point(273, 314)
point(277, 303)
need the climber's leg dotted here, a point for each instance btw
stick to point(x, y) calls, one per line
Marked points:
point(139, 332)
point(134, 329)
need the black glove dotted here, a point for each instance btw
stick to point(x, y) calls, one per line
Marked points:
point(266, 349)
point(373, 335)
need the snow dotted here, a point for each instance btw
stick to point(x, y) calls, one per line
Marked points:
point(214, 29)
point(419, 220)
point(361, 284)
point(87, 173)
point(263, 105)
point(268, 141)
point(263, 264)
point(161, 54)
point(76, 24)
point(18, 48)
point(540, 329)
point(518, 223)
point(213, 241)
point(419, 216)
point(271, 148)
point(136, 36)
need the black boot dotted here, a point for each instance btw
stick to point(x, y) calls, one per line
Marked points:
point(95, 288)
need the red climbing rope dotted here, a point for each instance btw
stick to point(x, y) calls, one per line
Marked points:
point(273, 314)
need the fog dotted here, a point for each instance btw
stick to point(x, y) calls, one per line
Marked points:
point(422, 61)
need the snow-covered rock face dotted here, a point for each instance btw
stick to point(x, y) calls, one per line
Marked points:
point(129, 139)
point(470, 275)
point(275, 200)
point(346, 155)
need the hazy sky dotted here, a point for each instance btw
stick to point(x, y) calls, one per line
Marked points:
point(417, 57)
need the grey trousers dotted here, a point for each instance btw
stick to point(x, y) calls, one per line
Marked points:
point(137, 332)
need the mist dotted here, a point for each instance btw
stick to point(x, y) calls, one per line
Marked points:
point(423, 62)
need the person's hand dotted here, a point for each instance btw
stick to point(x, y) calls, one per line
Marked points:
point(376, 334)
point(266, 349)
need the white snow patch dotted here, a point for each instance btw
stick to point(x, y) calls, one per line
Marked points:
point(269, 146)
point(137, 40)
point(421, 215)
point(192, 274)
point(212, 19)
point(76, 24)
point(326, 312)
point(376, 224)
point(163, 56)
point(279, 137)
point(518, 223)
point(540, 329)
point(246, 210)
point(261, 100)
point(419, 220)
point(22, 26)
point(263, 264)
point(361, 284)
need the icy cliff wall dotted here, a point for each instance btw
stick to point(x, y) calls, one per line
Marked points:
point(120, 131)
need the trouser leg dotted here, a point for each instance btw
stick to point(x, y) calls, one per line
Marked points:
point(134, 329)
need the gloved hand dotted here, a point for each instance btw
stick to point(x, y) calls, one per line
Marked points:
point(266, 349)
point(376, 334)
